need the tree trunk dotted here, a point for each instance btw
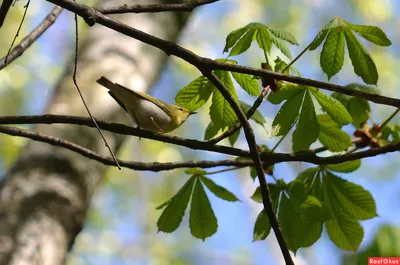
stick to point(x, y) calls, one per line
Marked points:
point(44, 196)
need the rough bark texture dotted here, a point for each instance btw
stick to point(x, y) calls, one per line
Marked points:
point(44, 196)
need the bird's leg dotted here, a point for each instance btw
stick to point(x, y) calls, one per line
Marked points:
point(137, 123)
point(160, 131)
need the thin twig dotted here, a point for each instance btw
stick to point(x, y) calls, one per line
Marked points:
point(154, 8)
point(389, 118)
point(18, 30)
point(80, 93)
point(91, 16)
point(255, 155)
point(124, 130)
point(223, 170)
point(237, 126)
point(26, 42)
point(295, 59)
point(155, 166)
point(282, 138)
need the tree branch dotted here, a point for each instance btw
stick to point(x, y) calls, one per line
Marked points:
point(91, 16)
point(255, 156)
point(154, 166)
point(154, 8)
point(273, 158)
point(206, 66)
point(26, 42)
point(124, 130)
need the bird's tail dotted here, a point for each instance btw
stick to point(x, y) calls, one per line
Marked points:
point(104, 81)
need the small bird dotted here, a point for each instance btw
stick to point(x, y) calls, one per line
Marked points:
point(146, 111)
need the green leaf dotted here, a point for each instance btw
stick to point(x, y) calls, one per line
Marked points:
point(297, 190)
point(281, 46)
point(284, 35)
point(322, 34)
point(348, 198)
point(312, 218)
point(362, 62)
point(164, 204)
point(275, 191)
point(253, 173)
point(386, 242)
point(202, 220)
point(172, 215)
point(243, 44)
point(221, 113)
point(371, 33)
point(392, 130)
point(361, 87)
point(262, 227)
point(233, 138)
point(345, 167)
point(218, 190)
point(194, 95)
point(280, 65)
point(211, 131)
point(292, 227)
point(346, 233)
point(233, 37)
point(307, 174)
point(195, 171)
point(326, 121)
point(285, 92)
point(248, 83)
point(287, 115)
point(264, 40)
point(224, 60)
point(359, 110)
point(257, 116)
point(307, 129)
point(332, 55)
point(333, 107)
point(312, 209)
point(257, 195)
point(334, 139)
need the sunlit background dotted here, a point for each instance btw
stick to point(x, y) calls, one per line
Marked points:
point(120, 226)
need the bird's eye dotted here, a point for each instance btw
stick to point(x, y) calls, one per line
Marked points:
point(181, 109)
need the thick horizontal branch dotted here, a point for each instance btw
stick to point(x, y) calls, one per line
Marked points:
point(154, 8)
point(309, 157)
point(26, 42)
point(153, 166)
point(124, 130)
point(91, 16)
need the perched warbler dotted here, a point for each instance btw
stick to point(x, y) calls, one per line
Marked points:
point(146, 111)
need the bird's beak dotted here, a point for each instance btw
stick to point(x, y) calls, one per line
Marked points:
point(192, 112)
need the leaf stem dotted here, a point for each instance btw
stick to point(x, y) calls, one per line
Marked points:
point(223, 170)
point(283, 137)
point(295, 59)
point(390, 118)
point(265, 55)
